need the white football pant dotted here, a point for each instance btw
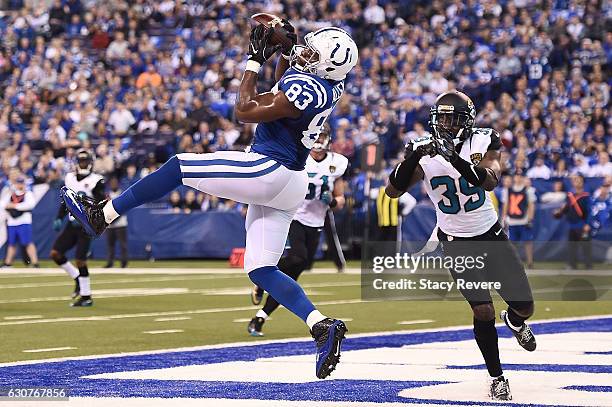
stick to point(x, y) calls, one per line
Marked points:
point(272, 191)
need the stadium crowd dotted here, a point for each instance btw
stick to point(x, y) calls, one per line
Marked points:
point(138, 81)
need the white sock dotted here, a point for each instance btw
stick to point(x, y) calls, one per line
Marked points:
point(84, 286)
point(261, 314)
point(314, 317)
point(72, 271)
point(511, 325)
point(110, 214)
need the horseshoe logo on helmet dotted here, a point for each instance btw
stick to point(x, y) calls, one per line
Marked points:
point(346, 56)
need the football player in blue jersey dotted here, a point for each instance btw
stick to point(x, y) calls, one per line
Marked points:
point(270, 178)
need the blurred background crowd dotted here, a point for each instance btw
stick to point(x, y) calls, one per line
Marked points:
point(138, 81)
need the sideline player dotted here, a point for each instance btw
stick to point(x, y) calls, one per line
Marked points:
point(518, 211)
point(84, 182)
point(270, 178)
point(458, 164)
point(325, 190)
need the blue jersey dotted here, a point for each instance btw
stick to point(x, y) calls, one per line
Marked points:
point(289, 141)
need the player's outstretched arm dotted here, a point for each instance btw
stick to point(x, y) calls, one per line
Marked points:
point(252, 107)
point(397, 188)
point(409, 172)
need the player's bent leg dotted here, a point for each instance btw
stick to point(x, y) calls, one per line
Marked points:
point(262, 255)
point(95, 217)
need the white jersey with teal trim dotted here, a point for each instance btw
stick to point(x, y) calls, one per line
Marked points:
point(321, 178)
point(462, 209)
point(85, 185)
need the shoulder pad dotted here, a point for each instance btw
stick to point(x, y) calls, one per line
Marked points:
point(341, 163)
point(495, 143)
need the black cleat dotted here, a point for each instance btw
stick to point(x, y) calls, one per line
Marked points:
point(255, 326)
point(524, 336)
point(83, 301)
point(328, 334)
point(256, 295)
point(77, 288)
point(500, 389)
point(86, 211)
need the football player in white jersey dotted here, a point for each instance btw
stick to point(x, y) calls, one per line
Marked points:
point(83, 181)
point(458, 164)
point(325, 190)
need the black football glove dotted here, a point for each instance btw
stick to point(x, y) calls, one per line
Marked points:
point(291, 34)
point(445, 148)
point(259, 49)
point(422, 146)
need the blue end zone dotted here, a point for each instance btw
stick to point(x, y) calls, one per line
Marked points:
point(68, 373)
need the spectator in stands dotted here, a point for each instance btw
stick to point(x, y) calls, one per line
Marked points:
point(121, 119)
point(149, 78)
point(539, 170)
point(116, 231)
point(103, 163)
point(175, 202)
point(131, 176)
point(603, 168)
point(147, 125)
point(118, 49)
point(601, 217)
point(191, 204)
point(557, 195)
point(577, 210)
point(18, 205)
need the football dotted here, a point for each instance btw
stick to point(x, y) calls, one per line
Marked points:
point(271, 21)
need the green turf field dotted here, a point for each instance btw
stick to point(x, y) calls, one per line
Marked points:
point(202, 309)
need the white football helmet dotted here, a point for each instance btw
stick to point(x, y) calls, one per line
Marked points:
point(336, 51)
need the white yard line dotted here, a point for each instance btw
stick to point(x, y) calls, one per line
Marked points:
point(268, 341)
point(164, 331)
point(21, 317)
point(123, 292)
point(172, 319)
point(48, 349)
point(243, 320)
point(69, 282)
point(160, 314)
point(416, 321)
point(29, 272)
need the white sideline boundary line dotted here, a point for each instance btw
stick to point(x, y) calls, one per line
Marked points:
point(21, 317)
point(270, 341)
